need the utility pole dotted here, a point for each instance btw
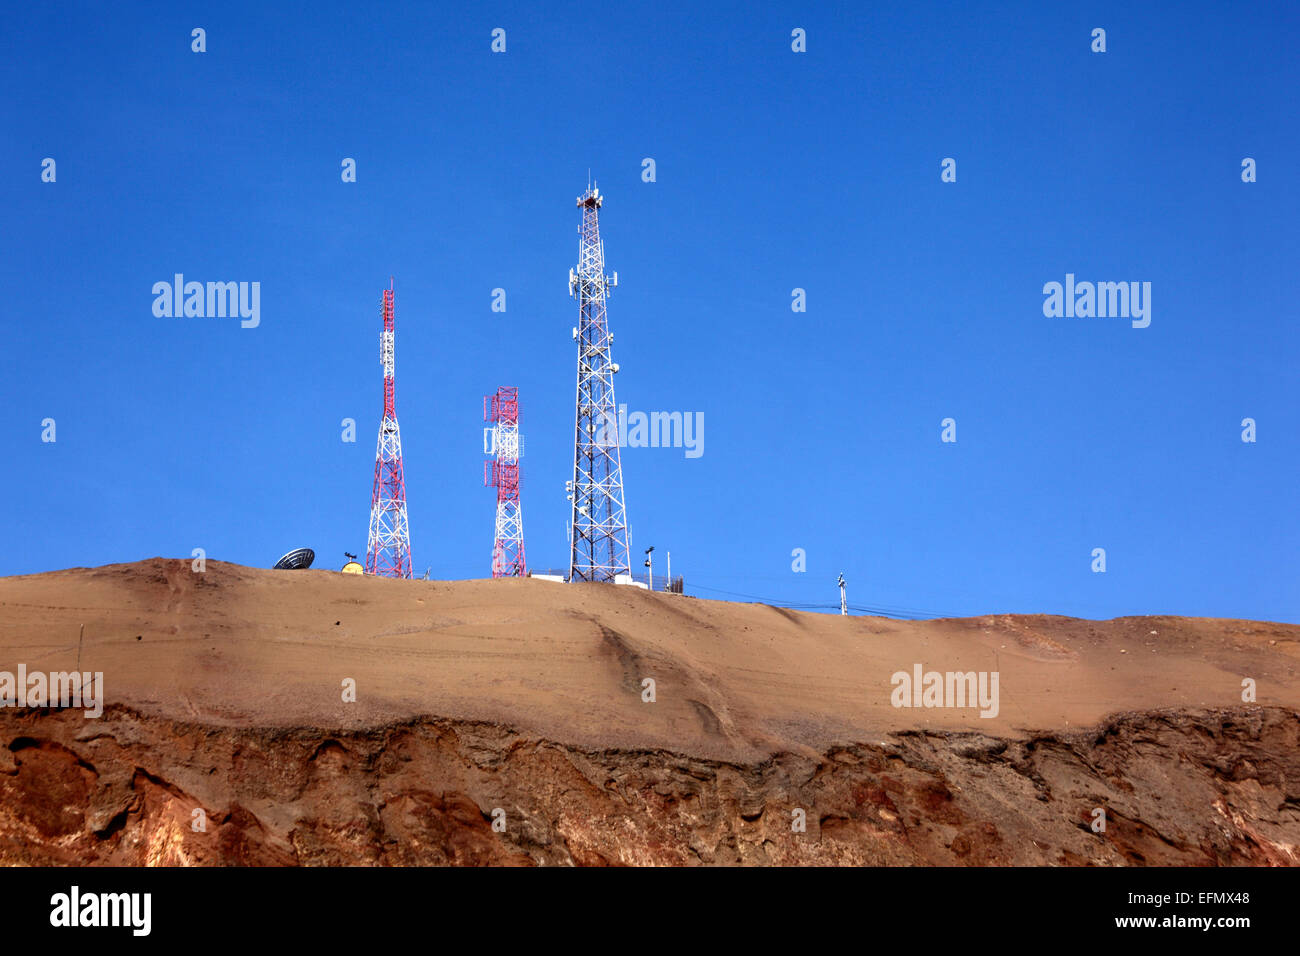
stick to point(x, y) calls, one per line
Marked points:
point(503, 474)
point(388, 552)
point(844, 607)
point(670, 570)
point(599, 549)
point(648, 564)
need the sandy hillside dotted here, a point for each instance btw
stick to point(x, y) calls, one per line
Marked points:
point(250, 647)
point(502, 722)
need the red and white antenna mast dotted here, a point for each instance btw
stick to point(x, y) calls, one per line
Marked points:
point(389, 550)
point(503, 474)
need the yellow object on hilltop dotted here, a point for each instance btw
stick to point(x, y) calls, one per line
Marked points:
point(352, 567)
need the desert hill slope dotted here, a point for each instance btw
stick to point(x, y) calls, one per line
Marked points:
point(225, 692)
point(253, 647)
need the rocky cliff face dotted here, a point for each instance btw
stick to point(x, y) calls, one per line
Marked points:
point(1212, 786)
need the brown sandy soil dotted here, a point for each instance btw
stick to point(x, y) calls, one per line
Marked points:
point(225, 693)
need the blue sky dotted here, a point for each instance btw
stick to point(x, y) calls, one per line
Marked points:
point(775, 170)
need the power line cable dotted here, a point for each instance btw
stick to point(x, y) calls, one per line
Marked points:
point(880, 610)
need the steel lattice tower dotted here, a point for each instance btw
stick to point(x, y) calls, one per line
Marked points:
point(599, 550)
point(389, 549)
point(503, 474)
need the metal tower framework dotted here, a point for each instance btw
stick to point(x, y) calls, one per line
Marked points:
point(502, 410)
point(389, 550)
point(599, 547)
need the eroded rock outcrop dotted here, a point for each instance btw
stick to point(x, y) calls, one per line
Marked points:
point(1178, 788)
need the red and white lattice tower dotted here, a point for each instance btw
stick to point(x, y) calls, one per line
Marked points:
point(389, 550)
point(502, 410)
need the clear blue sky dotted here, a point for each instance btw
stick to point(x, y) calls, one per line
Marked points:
point(775, 170)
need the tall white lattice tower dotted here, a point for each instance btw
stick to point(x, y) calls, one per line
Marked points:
point(502, 410)
point(599, 550)
point(389, 549)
